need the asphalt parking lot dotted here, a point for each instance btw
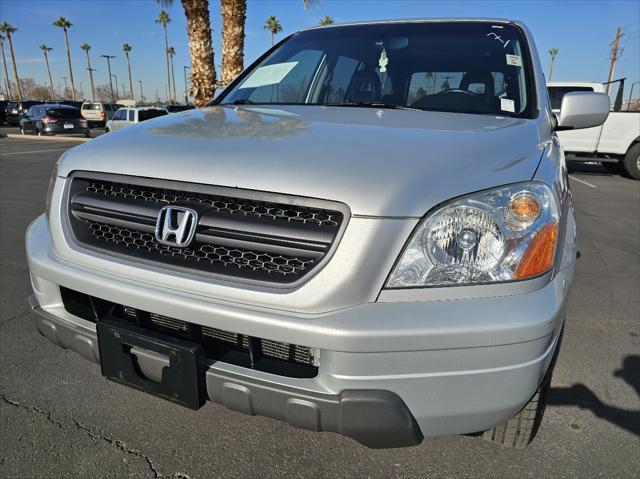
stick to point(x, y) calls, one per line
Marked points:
point(60, 418)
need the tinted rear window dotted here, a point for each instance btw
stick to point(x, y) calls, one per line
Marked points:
point(149, 114)
point(67, 113)
point(92, 106)
point(557, 92)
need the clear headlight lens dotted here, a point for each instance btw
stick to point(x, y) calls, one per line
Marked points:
point(504, 234)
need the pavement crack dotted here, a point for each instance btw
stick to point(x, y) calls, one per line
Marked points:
point(46, 414)
point(15, 317)
point(95, 436)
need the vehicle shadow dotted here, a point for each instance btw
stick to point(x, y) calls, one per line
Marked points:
point(581, 396)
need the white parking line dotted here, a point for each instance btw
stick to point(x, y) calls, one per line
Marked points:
point(32, 151)
point(583, 182)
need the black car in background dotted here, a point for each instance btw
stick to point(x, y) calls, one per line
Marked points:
point(178, 108)
point(54, 119)
point(3, 112)
point(17, 110)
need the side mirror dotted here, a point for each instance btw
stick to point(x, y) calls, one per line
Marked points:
point(583, 109)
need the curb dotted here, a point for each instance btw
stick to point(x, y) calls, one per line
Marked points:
point(16, 136)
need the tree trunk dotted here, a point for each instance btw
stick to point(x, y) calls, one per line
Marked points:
point(166, 52)
point(15, 68)
point(203, 74)
point(130, 82)
point(272, 38)
point(6, 74)
point(234, 14)
point(73, 85)
point(46, 59)
point(551, 68)
point(93, 90)
point(173, 79)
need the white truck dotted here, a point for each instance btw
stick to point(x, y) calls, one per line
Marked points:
point(616, 143)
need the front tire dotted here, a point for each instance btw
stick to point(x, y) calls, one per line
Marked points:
point(522, 428)
point(631, 162)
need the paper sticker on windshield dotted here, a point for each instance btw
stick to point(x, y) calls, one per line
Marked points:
point(514, 60)
point(268, 75)
point(507, 105)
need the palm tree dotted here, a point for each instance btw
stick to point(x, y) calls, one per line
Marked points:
point(8, 29)
point(310, 3)
point(66, 25)
point(553, 52)
point(172, 51)
point(7, 85)
point(327, 20)
point(45, 50)
point(86, 47)
point(203, 73)
point(163, 19)
point(273, 25)
point(126, 48)
point(234, 14)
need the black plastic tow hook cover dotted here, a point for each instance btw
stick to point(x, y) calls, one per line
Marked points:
point(182, 381)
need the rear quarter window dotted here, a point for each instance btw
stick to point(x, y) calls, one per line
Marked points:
point(144, 115)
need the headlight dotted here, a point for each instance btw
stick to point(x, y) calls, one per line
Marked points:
point(503, 234)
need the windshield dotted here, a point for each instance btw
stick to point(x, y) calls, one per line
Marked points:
point(457, 67)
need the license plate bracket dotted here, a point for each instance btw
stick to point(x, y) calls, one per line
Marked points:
point(182, 381)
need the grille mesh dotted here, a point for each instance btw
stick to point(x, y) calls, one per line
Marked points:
point(219, 203)
point(231, 257)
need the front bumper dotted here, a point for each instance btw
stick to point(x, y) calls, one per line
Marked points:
point(429, 368)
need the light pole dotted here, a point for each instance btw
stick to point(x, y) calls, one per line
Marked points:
point(109, 57)
point(117, 91)
point(64, 93)
point(141, 94)
point(186, 90)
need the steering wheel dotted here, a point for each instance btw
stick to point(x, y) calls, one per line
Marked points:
point(456, 90)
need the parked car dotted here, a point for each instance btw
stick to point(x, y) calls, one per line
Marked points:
point(54, 119)
point(178, 108)
point(370, 232)
point(97, 114)
point(16, 110)
point(3, 111)
point(131, 115)
point(616, 142)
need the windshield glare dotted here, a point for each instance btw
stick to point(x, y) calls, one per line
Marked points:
point(456, 67)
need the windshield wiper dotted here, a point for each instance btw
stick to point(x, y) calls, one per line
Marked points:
point(372, 104)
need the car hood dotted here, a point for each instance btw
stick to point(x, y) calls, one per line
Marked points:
point(396, 163)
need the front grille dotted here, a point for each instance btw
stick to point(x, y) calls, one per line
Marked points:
point(244, 238)
point(231, 257)
point(266, 355)
point(217, 203)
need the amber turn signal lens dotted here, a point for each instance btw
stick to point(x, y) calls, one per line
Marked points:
point(524, 208)
point(538, 258)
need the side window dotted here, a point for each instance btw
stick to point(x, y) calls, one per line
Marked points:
point(118, 115)
point(557, 92)
point(337, 85)
point(132, 115)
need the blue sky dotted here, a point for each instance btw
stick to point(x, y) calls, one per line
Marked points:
point(581, 30)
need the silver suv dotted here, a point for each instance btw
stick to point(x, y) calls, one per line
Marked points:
point(369, 232)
